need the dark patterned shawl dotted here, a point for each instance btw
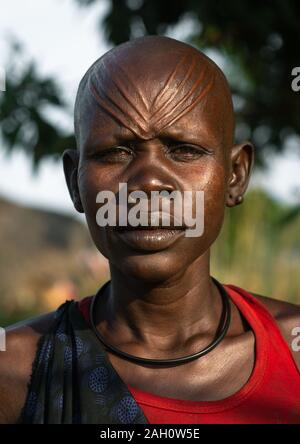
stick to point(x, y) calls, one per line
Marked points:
point(72, 380)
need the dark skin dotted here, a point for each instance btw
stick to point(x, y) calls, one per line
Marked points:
point(143, 118)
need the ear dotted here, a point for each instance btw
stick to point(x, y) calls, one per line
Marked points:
point(241, 164)
point(70, 163)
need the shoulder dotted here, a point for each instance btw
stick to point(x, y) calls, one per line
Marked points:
point(287, 317)
point(16, 363)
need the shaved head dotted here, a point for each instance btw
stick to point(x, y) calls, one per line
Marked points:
point(148, 84)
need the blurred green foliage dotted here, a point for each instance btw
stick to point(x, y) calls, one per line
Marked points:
point(23, 114)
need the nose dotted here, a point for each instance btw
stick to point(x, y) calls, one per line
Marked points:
point(152, 175)
point(150, 178)
point(151, 171)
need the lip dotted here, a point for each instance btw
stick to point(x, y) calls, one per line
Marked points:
point(149, 238)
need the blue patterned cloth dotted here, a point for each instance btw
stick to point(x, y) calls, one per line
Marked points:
point(72, 380)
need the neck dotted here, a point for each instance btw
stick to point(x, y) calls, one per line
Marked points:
point(165, 314)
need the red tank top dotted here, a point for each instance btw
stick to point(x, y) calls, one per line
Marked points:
point(271, 395)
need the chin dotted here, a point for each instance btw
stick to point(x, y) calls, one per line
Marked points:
point(150, 268)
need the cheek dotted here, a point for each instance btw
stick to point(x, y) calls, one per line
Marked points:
point(214, 202)
point(88, 189)
point(90, 181)
point(212, 181)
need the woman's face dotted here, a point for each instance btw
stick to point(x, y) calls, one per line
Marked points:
point(158, 117)
point(187, 156)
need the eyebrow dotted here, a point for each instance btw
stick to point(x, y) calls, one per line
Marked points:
point(131, 141)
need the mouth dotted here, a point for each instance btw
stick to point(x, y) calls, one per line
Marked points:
point(149, 238)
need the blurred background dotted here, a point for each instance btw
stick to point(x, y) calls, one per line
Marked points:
point(46, 255)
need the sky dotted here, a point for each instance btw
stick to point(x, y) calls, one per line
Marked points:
point(64, 40)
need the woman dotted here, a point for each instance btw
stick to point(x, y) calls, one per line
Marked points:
point(162, 341)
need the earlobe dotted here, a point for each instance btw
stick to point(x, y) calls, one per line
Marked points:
point(242, 161)
point(70, 163)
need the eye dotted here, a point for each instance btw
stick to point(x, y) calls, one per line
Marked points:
point(114, 154)
point(185, 152)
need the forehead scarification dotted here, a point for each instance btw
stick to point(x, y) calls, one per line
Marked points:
point(148, 93)
point(120, 97)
